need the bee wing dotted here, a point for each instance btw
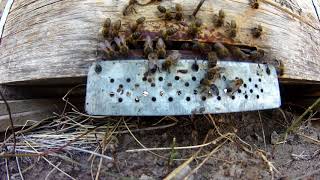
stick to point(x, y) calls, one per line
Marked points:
point(102, 46)
point(117, 41)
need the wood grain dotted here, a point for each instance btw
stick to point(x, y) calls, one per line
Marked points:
point(57, 39)
point(27, 112)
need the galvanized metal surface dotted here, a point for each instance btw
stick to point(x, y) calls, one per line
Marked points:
point(118, 88)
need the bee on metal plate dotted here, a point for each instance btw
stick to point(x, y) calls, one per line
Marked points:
point(153, 63)
point(171, 60)
point(218, 20)
point(234, 86)
point(212, 59)
point(214, 73)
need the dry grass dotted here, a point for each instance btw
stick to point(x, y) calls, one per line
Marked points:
point(74, 132)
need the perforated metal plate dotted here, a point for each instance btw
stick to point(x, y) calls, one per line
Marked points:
point(118, 88)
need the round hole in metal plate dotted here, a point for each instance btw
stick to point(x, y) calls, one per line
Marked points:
point(170, 99)
point(194, 78)
point(246, 96)
point(160, 78)
point(154, 99)
point(120, 100)
point(128, 80)
point(219, 98)
point(188, 98)
point(112, 80)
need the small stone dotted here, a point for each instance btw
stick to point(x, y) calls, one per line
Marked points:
point(183, 173)
point(76, 168)
point(160, 162)
point(109, 165)
point(164, 136)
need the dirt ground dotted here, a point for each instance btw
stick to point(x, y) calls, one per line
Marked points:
point(297, 158)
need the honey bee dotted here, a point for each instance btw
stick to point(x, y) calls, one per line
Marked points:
point(194, 27)
point(218, 20)
point(106, 27)
point(214, 73)
point(213, 90)
point(122, 45)
point(185, 46)
point(254, 4)
point(221, 51)
point(162, 9)
point(234, 86)
point(237, 53)
point(205, 82)
point(161, 48)
point(168, 32)
point(133, 38)
point(212, 59)
point(134, 26)
point(179, 13)
point(257, 54)
point(153, 65)
point(165, 13)
point(257, 31)
point(232, 29)
point(171, 60)
point(108, 49)
point(116, 28)
point(130, 8)
point(148, 46)
point(204, 48)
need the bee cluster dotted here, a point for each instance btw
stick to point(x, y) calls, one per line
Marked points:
point(117, 43)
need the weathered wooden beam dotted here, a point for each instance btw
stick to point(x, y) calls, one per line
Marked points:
point(56, 40)
point(27, 112)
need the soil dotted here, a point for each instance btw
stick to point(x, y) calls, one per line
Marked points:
point(298, 158)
